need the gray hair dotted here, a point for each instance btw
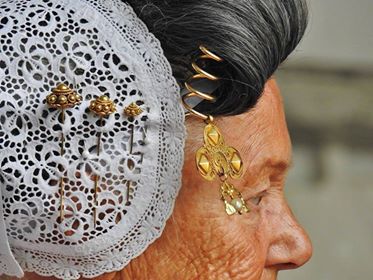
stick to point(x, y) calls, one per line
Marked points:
point(252, 36)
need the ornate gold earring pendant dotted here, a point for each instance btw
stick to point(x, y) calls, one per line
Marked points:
point(215, 159)
point(102, 107)
point(62, 98)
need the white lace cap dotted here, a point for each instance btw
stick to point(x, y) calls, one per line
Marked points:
point(95, 47)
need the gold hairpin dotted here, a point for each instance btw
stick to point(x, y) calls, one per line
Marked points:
point(215, 159)
point(103, 107)
point(62, 98)
point(133, 110)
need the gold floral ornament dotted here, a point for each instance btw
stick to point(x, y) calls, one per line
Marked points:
point(215, 159)
point(103, 107)
point(62, 98)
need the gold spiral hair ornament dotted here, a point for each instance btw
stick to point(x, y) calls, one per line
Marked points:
point(215, 159)
point(200, 74)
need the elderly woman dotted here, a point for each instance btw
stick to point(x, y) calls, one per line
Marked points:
point(92, 139)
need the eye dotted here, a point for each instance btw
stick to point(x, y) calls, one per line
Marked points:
point(256, 200)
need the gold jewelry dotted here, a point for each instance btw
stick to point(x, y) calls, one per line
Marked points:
point(200, 74)
point(215, 159)
point(103, 107)
point(61, 98)
point(133, 110)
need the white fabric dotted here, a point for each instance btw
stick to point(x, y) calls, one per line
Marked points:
point(95, 47)
point(8, 264)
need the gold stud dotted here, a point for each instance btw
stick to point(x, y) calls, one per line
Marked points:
point(236, 162)
point(213, 135)
point(204, 164)
point(133, 110)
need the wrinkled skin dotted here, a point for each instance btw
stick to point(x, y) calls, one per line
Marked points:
point(200, 241)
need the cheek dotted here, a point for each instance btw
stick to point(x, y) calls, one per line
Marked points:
point(249, 246)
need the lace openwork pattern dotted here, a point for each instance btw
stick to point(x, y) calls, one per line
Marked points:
point(96, 47)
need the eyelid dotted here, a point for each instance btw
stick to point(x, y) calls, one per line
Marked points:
point(253, 191)
point(258, 198)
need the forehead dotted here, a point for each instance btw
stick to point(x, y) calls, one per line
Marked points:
point(261, 135)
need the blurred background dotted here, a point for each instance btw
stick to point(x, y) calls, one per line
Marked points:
point(328, 93)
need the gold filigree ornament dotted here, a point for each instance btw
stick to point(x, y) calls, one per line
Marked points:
point(102, 106)
point(215, 159)
point(62, 98)
point(133, 110)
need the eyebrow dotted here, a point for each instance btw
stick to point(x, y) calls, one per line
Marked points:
point(279, 165)
point(268, 165)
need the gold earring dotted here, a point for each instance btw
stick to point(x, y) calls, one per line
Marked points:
point(61, 98)
point(103, 107)
point(215, 159)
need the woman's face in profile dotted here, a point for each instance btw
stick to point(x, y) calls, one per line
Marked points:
point(200, 241)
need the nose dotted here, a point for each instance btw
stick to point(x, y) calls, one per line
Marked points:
point(290, 246)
